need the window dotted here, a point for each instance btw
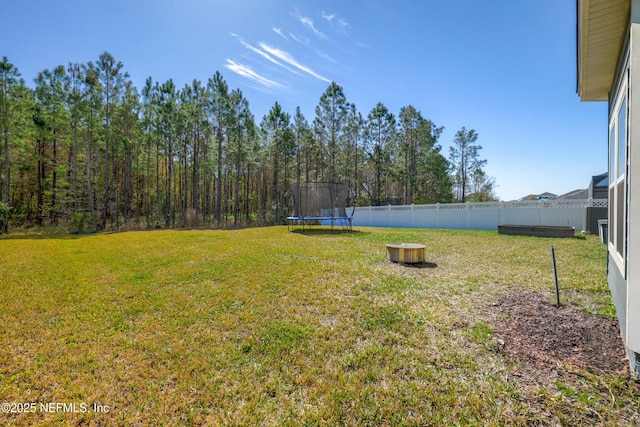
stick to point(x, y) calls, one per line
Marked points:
point(617, 179)
point(612, 187)
point(621, 188)
point(622, 138)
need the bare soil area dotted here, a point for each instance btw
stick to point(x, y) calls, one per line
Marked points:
point(531, 329)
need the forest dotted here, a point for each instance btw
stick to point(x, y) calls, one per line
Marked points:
point(86, 149)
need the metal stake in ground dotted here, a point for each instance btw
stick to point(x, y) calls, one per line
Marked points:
point(555, 275)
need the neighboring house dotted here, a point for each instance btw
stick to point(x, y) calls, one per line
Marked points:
point(608, 50)
point(599, 187)
point(575, 195)
point(543, 196)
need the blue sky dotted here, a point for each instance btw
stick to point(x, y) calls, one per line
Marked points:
point(504, 68)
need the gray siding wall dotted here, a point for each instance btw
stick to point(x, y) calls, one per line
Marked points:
point(618, 287)
point(633, 190)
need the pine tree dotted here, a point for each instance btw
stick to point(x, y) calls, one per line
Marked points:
point(51, 94)
point(353, 135)
point(331, 114)
point(303, 137)
point(9, 81)
point(218, 111)
point(278, 140)
point(242, 133)
point(464, 157)
point(380, 133)
point(76, 106)
point(111, 82)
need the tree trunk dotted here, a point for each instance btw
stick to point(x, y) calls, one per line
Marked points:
point(41, 172)
point(90, 201)
point(196, 174)
point(54, 180)
point(219, 176)
point(105, 206)
point(5, 137)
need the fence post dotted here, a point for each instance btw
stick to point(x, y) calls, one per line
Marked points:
point(501, 213)
point(541, 212)
point(467, 212)
point(438, 215)
point(411, 220)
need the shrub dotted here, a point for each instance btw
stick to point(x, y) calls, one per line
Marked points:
point(5, 216)
point(81, 222)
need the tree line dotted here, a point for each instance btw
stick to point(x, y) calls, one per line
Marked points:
point(86, 148)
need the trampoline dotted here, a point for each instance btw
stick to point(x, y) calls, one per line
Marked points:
point(321, 203)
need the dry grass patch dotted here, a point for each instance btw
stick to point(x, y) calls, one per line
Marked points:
point(266, 327)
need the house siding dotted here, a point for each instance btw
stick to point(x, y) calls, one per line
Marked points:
point(618, 288)
point(633, 189)
point(610, 33)
point(624, 278)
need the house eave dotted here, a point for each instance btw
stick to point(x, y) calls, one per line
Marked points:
point(600, 34)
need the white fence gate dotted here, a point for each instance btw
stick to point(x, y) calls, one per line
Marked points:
point(478, 216)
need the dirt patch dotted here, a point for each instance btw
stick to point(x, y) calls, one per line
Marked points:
point(531, 329)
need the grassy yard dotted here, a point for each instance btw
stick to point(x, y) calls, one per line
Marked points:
point(266, 327)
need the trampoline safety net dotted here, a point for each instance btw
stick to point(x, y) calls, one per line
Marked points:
point(321, 201)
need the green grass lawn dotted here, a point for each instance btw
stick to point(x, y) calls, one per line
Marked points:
point(262, 326)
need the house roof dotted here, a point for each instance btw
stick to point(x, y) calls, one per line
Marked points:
point(601, 28)
point(575, 195)
point(537, 196)
point(603, 183)
point(601, 180)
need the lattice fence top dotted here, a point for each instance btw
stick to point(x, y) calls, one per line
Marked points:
point(524, 204)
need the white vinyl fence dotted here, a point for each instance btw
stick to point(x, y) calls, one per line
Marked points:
point(478, 216)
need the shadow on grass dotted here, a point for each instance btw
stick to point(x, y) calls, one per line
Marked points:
point(42, 236)
point(46, 234)
point(328, 232)
point(417, 265)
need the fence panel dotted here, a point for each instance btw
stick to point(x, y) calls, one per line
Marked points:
point(484, 216)
point(478, 216)
point(452, 215)
point(401, 215)
point(425, 216)
point(521, 213)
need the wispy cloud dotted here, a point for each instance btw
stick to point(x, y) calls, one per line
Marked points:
point(342, 26)
point(276, 56)
point(262, 53)
point(248, 73)
point(300, 39)
point(307, 22)
point(278, 31)
point(289, 59)
point(338, 23)
point(328, 18)
point(325, 56)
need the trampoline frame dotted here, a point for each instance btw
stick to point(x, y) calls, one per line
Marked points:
point(339, 194)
